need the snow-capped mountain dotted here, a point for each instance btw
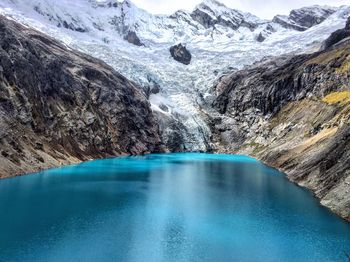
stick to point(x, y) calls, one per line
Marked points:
point(137, 44)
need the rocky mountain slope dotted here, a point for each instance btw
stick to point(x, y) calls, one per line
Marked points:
point(59, 106)
point(293, 113)
point(218, 38)
point(304, 18)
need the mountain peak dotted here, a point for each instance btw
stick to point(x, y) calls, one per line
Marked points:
point(212, 3)
point(104, 3)
point(303, 18)
point(213, 7)
point(211, 12)
point(111, 3)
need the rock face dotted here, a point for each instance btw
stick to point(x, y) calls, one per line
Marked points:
point(172, 131)
point(265, 33)
point(132, 38)
point(294, 114)
point(304, 18)
point(59, 106)
point(181, 54)
point(211, 13)
point(67, 22)
point(338, 36)
point(261, 37)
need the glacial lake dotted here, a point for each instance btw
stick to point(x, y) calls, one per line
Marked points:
point(171, 207)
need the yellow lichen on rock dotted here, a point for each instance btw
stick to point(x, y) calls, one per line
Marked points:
point(345, 67)
point(342, 97)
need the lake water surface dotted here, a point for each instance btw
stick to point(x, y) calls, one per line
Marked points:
point(171, 207)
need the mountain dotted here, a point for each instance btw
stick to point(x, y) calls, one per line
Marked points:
point(293, 112)
point(212, 14)
point(304, 18)
point(59, 106)
point(218, 38)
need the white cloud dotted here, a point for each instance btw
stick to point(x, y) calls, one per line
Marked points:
point(262, 8)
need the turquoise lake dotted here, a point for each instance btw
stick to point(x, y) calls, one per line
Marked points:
point(171, 207)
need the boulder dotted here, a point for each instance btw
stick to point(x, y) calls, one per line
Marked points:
point(132, 38)
point(261, 37)
point(181, 54)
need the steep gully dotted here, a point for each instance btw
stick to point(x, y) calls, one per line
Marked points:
point(59, 106)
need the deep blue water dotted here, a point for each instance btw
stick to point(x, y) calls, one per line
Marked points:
point(176, 207)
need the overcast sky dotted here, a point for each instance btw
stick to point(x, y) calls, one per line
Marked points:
point(262, 8)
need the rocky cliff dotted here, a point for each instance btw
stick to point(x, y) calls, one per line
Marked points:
point(304, 18)
point(294, 114)
point(59, 106)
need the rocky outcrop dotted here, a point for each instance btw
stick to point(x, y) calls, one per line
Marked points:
point(105, 4)
point(304, 18)
point(181, 54)
point(265, 33)
point(203, 18)
point(338, 36)
point(59, 106)
point(211, 13)
point(67, 21)
point(172, 131)
point(261, 37)
point(132, 38)
point(294, 114)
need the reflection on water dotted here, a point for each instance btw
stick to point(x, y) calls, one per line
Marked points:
point(175, 207)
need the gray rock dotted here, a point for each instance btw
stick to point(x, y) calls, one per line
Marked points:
point(77, 106)
point(181, 54)
point(347, 25)
point(132, 38)
point(164, 107)
point(261, 37)
point(232, 19)
point(337, 36)
point(304, 18)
